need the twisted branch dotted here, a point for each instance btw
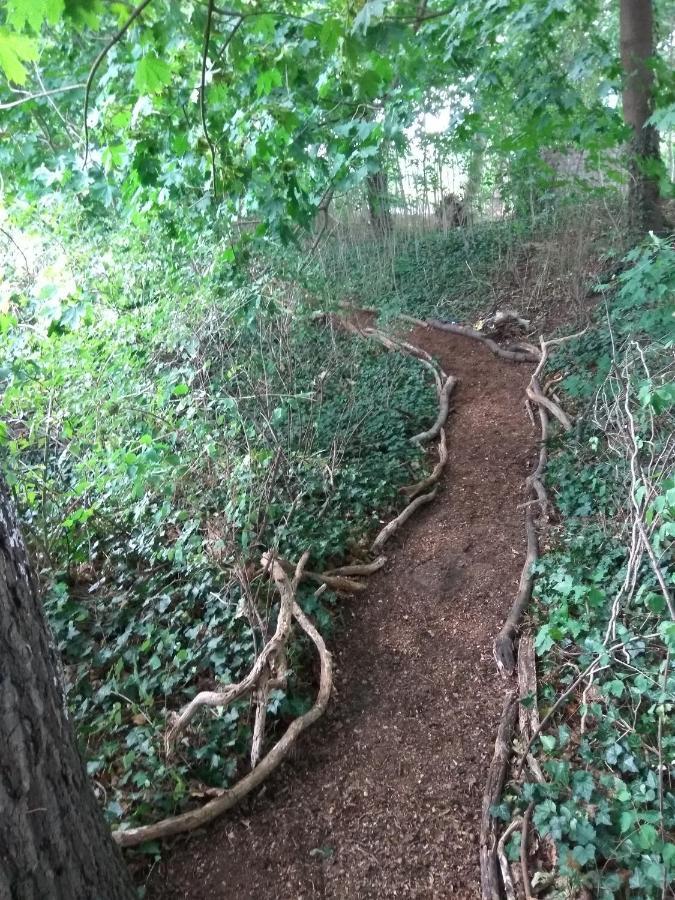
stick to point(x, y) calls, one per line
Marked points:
point(132, 837)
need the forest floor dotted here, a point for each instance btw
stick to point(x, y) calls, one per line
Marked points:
point(383, 798)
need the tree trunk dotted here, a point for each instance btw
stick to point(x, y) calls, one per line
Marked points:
point(637, 47)
point(474, 177)
point(54, 842)
point(378, 202)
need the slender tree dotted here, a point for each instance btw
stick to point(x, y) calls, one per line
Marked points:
point(54, 842)
point(637, 48)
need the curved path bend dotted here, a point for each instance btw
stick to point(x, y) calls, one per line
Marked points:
point(383, 797)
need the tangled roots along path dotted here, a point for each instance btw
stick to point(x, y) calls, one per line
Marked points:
point(383, 798)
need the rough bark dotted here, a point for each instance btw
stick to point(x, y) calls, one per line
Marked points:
point(637, 47)
point(378, 203)
point(54, 842)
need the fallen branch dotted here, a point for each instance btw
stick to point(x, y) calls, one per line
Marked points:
point(505, 317)
point(402, 517)
point(132, 837)
point(466, 331)
point(489, 876)
point(334, 582)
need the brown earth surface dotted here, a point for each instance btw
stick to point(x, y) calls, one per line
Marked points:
point(382, 799)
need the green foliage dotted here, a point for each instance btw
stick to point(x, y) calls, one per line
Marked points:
point(164, 423)
point(607, 801)
point(429, 274)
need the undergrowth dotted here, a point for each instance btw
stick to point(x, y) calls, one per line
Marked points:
point(428, 274)
point(603, 612)
point(163, 424)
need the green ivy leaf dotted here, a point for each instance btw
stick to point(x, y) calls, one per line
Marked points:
point(613, 688)
point(152, 74)
point(15, 49)
point(647, 836)
point(33, 13)
point(584, 854)
point(548, 742)
point(329, 35)
point(267, 81)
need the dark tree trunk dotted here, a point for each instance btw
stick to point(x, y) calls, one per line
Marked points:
point(378, 202)
point(54, 842)
point(637, 47)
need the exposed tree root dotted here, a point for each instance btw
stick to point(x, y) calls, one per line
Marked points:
point(534, 481)
point(414, 490)
point(504, 643)
point(535, 394)
point(466, 331)
point(441, 418)
point(131, 837)
point(528, 716)
point(338, 583)
point(358, 568)
point(402, 517)
point(270, 668)
point(269, 659)
point(489, 875)
point(505, 655)
point(444, 386)
point(527, 888)
point(411, 320)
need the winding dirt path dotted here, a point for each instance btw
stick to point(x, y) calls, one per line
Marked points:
point(383, 797)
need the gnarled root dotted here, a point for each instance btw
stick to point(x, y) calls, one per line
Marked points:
point(441, 418)
point(402, 517)
point(503, 860)
point(338, 583)
point(504, 644)
point(358, 568)
point(269, 659)
point(414, 490)
point(131, 837)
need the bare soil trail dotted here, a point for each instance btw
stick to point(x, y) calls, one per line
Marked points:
point(383, 797)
